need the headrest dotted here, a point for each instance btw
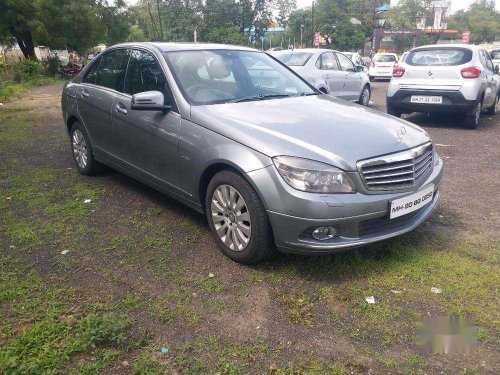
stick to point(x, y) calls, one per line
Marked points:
point(219, 68)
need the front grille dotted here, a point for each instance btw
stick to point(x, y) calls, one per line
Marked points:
point(403, 170)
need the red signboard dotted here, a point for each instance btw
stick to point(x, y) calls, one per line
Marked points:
point(316, 39)
point(466, 37)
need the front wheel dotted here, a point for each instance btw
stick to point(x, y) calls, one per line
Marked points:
point(364, 98)
point(237, 219)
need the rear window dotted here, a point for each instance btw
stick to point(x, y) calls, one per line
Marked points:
point(495, 54)
point(434, 56)
point(294, 58)
point(384, 58)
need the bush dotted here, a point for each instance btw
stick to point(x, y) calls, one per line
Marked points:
point(28, 70)
point(52, 65)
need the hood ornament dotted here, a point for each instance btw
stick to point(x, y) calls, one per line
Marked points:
point(401, 133)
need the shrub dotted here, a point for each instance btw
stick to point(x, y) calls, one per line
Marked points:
point(52, 65)
point(28, 70)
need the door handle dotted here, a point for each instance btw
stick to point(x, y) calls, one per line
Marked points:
point(85, 94)
point(121, 108)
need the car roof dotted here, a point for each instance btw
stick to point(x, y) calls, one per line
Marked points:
point(168, 47)
point(310, 50)
point(458, 45)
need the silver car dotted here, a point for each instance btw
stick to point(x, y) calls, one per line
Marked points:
point(450, 78)
point(232, 133)
point(330, 72)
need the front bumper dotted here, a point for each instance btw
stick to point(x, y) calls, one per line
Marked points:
point(359, 218)
point(453, 101)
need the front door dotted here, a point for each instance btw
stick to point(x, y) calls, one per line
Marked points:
point(489, 71)
point(148, 141)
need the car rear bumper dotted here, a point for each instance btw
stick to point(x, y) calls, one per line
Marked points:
point(453, 101)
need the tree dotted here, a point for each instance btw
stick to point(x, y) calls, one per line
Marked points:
point(285, 9)
point(481, 19)
point(409, 13)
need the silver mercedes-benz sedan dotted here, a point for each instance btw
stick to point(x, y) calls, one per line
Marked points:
point(331, 72)
point(238, 136)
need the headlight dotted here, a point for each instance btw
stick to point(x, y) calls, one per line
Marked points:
point(313, 176)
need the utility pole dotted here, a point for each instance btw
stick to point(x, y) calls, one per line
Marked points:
point(195, 36)
point(312, 23)
point(159, 20)
point(301, 44)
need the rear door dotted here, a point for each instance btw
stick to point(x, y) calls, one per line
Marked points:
point(352, 85)
point(435, 68)
point(334, 77)
point(148, 141)
point(96, 95)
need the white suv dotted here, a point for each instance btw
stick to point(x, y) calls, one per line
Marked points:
point(381, 65)
point(452, 78)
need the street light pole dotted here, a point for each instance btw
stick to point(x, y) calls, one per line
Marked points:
point(301, 27)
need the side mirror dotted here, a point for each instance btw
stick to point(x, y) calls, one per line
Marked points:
point(360, 68)
point(497, 69)
point(149, 101)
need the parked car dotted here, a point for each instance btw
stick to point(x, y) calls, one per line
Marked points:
point(285, 168)
point(445, 78)
point(381, 65)
point(402, 58)
point(356, 59)
point(495, 57)
point(330, 72)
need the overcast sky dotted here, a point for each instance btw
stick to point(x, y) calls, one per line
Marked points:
point(455, 4)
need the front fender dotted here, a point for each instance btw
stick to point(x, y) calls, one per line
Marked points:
point(201, 148)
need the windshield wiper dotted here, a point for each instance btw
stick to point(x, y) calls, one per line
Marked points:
point(308, 94)
point(257, 97)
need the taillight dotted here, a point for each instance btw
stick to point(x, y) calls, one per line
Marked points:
point(471, 72)
point(398, 71)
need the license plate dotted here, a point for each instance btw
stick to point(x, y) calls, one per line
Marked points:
point(416, 201)
point(426, 99)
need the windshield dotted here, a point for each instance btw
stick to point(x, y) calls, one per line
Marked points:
point(221, 76)
point(384, 58)
point(294, 58)
point(434, 56)
point(495, 54)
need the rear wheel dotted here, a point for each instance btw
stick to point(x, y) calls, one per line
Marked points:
point(238, 219)
point(393, 112)
point(82, 150)
point(365, 95)
point(493, 109)
point(471, 121)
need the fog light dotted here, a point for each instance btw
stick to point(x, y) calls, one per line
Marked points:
point(324, 233)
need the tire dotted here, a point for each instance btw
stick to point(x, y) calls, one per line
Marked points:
point(493, 109)
point(364, 97)
point(471, 121)
point(223, 214)
point(393, 112)
point(81, 148)
point(371, 78)
point(323, 90)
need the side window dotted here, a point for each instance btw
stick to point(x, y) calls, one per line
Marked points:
point(112, 69)
point(328, 61)
point(489, 63)
point(482, 58)
point(345, 63)
point(144, 73)
point(91, 73)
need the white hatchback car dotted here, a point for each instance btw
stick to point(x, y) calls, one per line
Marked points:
point(330, 72)
point(381, 65)
point(451, 78)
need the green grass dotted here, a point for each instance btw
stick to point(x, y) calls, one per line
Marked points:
point(43, 336)
point(11, 90)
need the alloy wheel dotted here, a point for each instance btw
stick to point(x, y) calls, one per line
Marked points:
point(80, 149)
point(231, 217)
point(365, 96)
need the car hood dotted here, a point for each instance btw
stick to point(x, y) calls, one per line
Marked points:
point(317, 127)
